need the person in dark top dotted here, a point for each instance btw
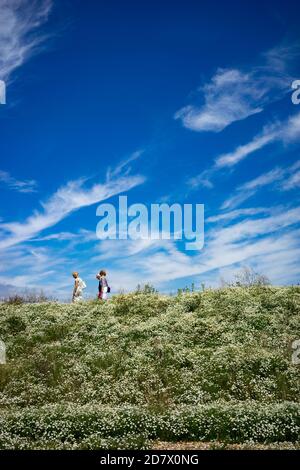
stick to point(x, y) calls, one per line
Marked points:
point(103, 285)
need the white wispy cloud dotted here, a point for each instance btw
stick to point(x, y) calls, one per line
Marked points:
point(290, 132)
point(248, 229)
point(19, 37)
point(249, 189)
point(284, 133)
point(123, 167)
point(263, 180)
point(203, 179)
point(63, 202)
point(243, 151)
point(237, 199)
point(81, 236)
point(61, 236)
point(292, 182)
point(279, 58)
point(278, 178)
point(237, 213)
point(230, 96)
point(29, 267)
point(234, 94)
point(25, 186)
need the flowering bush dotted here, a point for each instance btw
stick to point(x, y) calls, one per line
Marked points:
point(94, 426)
point(209, 365)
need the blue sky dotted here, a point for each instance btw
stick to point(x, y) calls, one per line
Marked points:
point(178, 102)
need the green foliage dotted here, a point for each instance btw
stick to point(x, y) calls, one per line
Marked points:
point(14, 324)
point(93, 426)
point(146, 289)
point(28, 297)
point(214, 364)
point(247, 277)
point(188, 289)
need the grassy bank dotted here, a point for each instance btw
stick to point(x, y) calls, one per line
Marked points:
point(214, 365)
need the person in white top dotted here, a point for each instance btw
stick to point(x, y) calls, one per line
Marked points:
point(79, 285)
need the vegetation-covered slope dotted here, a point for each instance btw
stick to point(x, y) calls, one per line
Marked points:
point(209, 365)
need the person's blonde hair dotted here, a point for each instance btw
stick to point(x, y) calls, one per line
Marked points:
point(75, 274)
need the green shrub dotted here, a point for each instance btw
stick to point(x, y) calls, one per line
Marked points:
point(98, 427)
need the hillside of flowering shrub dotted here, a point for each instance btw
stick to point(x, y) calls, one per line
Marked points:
point(211, 365)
